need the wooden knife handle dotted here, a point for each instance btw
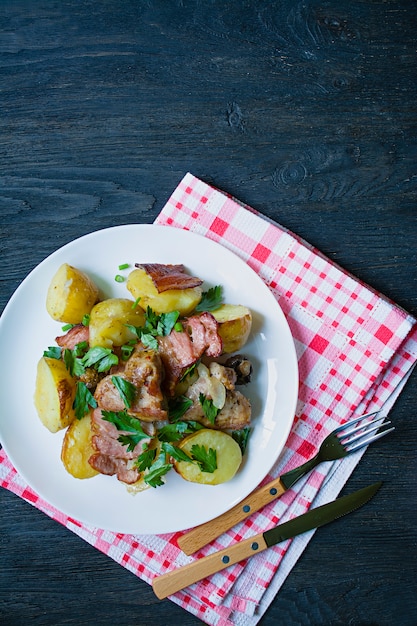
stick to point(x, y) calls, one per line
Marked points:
point(170, 583)
point(201, 535)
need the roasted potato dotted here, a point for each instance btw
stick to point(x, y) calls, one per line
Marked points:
point(140, 285)
point(71, 295)
point(108, 321)
point(228, 453)
point(235, 323)
point(54, 394)
point(77, 448)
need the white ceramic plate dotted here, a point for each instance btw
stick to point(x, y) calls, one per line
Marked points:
point(26, 330)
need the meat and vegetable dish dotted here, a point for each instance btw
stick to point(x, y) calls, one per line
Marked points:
point(149, 383)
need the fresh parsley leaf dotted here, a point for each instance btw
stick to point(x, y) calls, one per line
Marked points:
point(83, 400)
point(206, 459)
point(211, 299)
point(145, 459)
point(157, 470)
point(190, 370)
point(86, 320)
point(166, 322)
point(73, 364)
point(155, 326)
point(242, 437)
point(102, 359)
point(126, 390)
point(176, 431)
point(123, 421)
point(149, 341)
point(176, 453)
point(178, 406)
point(210, 410)
point(53, 352)
point(80, 349)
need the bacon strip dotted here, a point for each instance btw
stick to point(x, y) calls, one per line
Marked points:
point(76, 334)
point(166, 277)
point(180, 350)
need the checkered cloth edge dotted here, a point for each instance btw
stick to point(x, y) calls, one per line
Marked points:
point(355, 350)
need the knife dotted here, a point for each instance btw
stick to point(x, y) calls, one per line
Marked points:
point(171, 582)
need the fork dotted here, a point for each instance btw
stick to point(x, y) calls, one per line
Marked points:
point(348, 438)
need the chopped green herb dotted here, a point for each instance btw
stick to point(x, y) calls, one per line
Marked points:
point(178, 327)
point(145, 459)
point(206, 459)
point(176, 453)
point(86, 320)
point(211, 299)
point(210, 410)
point(127, 349)
point(123, 421)
point(190, 370)
point(126, 390)
point(127, 423)
point(100, 358)
point(123, 266)
point(53, 352)
point(67, 327)
point(119, 279)
point(83, 400)
point(157, 471)
point(80, 349)
point(177, 431)
point(136, 302)
point(242, 437)
point(178, 406)
point(73, 364)
point(155, 326)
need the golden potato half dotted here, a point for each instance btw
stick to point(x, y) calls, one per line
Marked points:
point(140, 285)
point(235, 324)
point(77, 448)
point(108, 321)
point(228, 454)
point(54, 394)
point(71, 295)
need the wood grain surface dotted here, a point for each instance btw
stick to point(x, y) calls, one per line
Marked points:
point(306, 110)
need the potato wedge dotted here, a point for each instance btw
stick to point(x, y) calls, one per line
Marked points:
point(228, 453)
point(108, 321)
point(235, 324)
point(77, 448)
point(140, 285)
point(54, 394)
point(71, 295)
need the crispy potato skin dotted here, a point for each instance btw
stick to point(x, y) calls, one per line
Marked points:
point(77, 448)
point(140, 285)
point(71, 295)
point(108, 321)
point(229, 457)
point(54, 394)
point(235, 324)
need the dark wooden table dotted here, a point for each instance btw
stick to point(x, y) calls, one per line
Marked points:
point(304, 109)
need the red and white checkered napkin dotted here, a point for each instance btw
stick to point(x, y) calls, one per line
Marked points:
point(355, 351)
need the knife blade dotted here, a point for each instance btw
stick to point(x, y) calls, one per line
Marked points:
point(171, 582)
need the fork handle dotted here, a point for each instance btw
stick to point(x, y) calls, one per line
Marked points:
point(290, 478)
point(201, 535)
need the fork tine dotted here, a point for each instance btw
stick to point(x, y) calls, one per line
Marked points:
point(355, 421)
point(363, 430)
point(357, 426)
point(368, 440)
